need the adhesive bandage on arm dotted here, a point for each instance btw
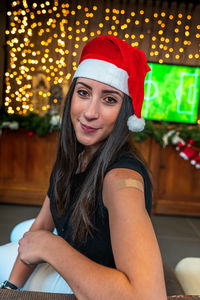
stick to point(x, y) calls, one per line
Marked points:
point(130, 183)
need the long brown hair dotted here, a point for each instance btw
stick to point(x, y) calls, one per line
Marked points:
point(66, 165)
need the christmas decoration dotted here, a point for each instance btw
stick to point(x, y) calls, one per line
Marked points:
point(40, 125)
point(30, 133)
point(196, 161)
point(188, 152)
point(166, 137)
point(179, 142)
point(55, 120)
point(11, 125)
point(185, 139)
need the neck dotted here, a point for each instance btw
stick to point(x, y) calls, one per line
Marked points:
point(89, 152)
point(87, 155)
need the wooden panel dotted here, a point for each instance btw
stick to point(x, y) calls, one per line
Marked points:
point(25, 166)
point(144, 148)
point(26, 163)
point(184, 178)
point(177, 207)
point(178, 184)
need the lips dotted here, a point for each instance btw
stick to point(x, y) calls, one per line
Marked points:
point(87, 128)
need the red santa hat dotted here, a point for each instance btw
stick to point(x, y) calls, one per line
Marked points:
point(114, 62)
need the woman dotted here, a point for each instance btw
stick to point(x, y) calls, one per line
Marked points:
point(99, 197)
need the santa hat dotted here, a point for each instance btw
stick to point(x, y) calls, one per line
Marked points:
point(114, 62)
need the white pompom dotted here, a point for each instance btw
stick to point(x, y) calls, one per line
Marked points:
point(183, 155)
point(135, 124)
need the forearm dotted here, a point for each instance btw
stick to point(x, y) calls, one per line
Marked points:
point(20, 272)
point(87, 279)
point(44, 221)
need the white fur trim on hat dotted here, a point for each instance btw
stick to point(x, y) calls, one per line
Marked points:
point(104, 72)
point(135, 124)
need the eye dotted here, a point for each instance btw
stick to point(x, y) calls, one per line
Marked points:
point(110, 100)
point(82, 92)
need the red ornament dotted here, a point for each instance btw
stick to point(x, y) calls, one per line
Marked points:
point(196, 161)
point(30, 133)
point(180, 144)
point(188, 152)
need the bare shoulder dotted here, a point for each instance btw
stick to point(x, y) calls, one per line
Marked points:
point(121, 182)
point(121, 173)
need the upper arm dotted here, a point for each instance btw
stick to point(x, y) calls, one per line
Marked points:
point(134, 244)
point(44, 219)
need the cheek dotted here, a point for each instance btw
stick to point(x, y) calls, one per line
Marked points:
point(75, 109)
point(111, 118)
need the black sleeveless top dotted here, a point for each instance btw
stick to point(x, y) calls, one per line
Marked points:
point(98, 246)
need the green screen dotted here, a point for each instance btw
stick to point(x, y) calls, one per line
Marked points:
point(172, 93)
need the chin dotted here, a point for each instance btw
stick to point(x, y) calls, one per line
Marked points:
point(85, 141)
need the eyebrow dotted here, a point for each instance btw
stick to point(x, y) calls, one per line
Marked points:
point(104, 91)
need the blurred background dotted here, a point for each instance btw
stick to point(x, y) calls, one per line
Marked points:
point(40, 46)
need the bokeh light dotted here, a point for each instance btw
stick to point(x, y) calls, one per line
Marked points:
point(44, 40)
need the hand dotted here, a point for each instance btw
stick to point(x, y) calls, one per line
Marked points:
point(33, 245)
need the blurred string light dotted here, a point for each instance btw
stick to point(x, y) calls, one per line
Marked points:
point(47, 36)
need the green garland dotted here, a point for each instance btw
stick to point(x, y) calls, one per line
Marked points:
point(158, 131)
point(40, 125)
point(43, 125)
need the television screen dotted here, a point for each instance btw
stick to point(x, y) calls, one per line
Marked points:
point(172, 93)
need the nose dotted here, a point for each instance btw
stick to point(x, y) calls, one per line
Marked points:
point(91, 111)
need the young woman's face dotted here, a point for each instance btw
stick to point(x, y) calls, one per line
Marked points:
point(94, 109)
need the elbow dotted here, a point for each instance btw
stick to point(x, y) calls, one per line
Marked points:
point(144, 291)
point(146, 294)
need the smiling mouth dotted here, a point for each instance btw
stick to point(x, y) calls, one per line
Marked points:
point(88, 128)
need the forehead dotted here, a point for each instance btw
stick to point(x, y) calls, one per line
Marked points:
point(94, 84)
